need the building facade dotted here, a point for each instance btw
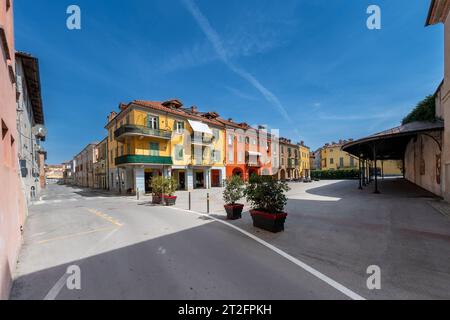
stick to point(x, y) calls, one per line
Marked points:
point(84, 167)
point(289, 156)
point(30, 124)
point(305, 161)
point(100, 165)
point(13, 206)
point(429, 155)
point(333, 158)
point(147, 139)
point(68, 177)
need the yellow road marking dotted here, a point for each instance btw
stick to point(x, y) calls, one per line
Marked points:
point(104, 216)
point(76, 235)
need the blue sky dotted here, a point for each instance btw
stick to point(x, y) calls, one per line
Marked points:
point(310, 68)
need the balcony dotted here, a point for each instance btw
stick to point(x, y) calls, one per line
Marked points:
point(201, 162)
point(203, 140)
point(135, 130)
point(139, 159)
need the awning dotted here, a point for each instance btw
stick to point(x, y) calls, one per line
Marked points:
point(200, 127)
point(254, 154)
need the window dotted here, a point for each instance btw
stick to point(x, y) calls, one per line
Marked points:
point(121, 150)
point(179, 152)
point(341, 162)
point(215, 155)
point(216, 134)
point(240, 157)
point(352, 162)
point(331, 161)
point(128, 149)
point(154, 149)
point(4, 130)
point(152, 122)
point(230, 155)
point(179, 127)
point(230, 139)
point(128, 119)
point(110, 135)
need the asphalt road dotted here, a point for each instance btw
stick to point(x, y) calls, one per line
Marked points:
point(131, 250)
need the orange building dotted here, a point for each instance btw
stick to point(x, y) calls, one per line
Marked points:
point(247, 150)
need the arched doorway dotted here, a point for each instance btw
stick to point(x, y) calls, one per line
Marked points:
point(238, 172)
point(252, 172)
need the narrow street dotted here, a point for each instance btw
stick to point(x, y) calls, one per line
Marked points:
point(132, 250)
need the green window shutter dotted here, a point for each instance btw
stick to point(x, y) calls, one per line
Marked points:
point(179, 152)
point(154, 149)
point(218, 155)
point(149, 120)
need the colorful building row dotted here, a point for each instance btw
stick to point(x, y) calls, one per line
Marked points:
point(198, 149)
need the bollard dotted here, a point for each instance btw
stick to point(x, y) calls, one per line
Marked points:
point(189, 201)
point(137, 194)
point(207, 203)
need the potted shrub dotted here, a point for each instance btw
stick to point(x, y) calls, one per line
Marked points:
point(267, 199)
point(157, 189)
point(170, 186)
point(233, 192)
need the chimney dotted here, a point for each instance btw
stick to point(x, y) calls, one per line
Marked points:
point(340, 141)
point(112, 115)
point(230, 119)
point(302, 143)
point(194, 109)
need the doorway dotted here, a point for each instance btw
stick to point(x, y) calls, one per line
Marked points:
point(199, 180)
point(215, 178)
point(181, 180)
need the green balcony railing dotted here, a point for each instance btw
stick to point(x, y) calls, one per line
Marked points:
point(139, 159)
point(131, 129)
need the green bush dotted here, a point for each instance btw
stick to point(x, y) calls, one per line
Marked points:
point(234, 190)
point(162, 185)
point(335, 174)
point(266, 194)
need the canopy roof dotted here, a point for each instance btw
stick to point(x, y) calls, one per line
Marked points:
point(391, 144)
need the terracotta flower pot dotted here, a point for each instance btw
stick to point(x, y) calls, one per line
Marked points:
point(273, 222)
point(234, 211)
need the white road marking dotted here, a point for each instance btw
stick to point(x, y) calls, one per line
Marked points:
point(60, 284)
point(349, 293)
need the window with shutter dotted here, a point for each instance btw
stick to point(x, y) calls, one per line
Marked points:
point(154, 149)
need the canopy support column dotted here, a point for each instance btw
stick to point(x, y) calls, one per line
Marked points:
point(360, 174)
point(374, 148)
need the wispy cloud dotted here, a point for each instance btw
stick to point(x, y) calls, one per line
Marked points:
point(241, 94)
point(215, 40)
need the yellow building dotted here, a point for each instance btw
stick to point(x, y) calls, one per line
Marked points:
point(147, 139)
point(333, 158)
point(304, 163)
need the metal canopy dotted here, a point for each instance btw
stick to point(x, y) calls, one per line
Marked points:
point(391, 144)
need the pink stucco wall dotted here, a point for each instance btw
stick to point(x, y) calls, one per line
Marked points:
point(12, 206)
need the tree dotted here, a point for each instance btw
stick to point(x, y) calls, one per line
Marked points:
point(424, 111)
